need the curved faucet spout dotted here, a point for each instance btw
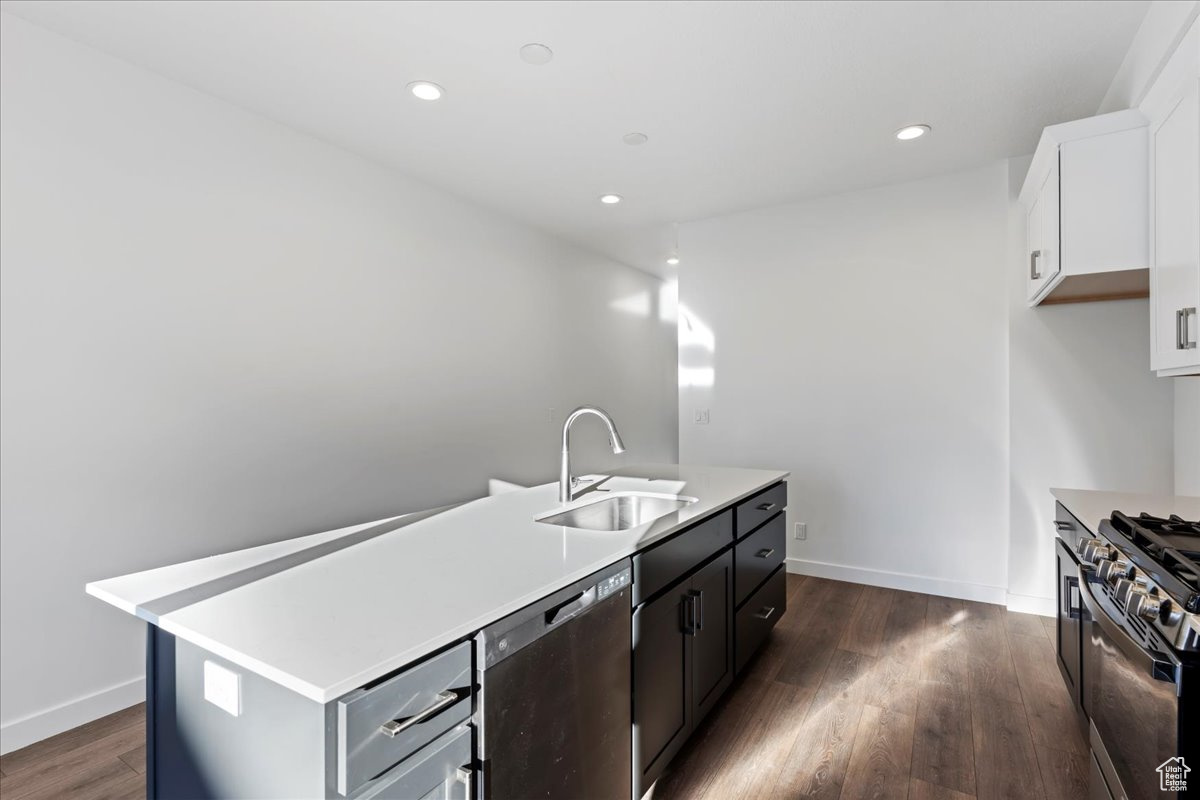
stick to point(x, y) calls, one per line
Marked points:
point(565, 481)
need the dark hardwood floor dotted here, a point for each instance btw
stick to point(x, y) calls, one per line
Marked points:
point(864, 692)
point(860, 693)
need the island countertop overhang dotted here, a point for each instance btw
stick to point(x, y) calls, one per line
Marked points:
point(322, 619)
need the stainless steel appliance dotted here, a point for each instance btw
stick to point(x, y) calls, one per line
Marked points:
point(555, 703)
point(1140, 586)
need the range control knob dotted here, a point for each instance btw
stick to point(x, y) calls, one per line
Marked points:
point(1090, 549)
point(1169, 613)
point(1144, 605)
point(1113, 570)
point(1123, 589)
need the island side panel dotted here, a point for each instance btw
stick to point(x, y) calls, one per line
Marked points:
point(274, 748)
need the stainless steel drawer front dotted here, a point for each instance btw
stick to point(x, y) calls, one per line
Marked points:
point(380, 726)
point(760, 508)
point(441, 771)
point(757, 556)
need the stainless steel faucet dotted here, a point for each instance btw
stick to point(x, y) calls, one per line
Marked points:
point(566, 483)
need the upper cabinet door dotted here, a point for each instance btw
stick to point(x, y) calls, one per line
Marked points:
point(1042, 234)
point(1175, 238)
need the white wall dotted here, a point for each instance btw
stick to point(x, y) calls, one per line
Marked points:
point(218, 332)
point(860, 341)
point(877, 344)
point(1086, 412)
point(1187, 436)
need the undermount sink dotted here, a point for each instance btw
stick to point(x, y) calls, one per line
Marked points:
point(618, 511)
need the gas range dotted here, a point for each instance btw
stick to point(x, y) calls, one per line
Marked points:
point(1148, 566)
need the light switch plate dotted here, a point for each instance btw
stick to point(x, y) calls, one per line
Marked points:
point(223, 688)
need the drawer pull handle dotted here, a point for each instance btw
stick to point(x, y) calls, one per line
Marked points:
point(395, 727)
point(467, 778)
point(1063, 525)
point(766, 612)
point(765, 552)
point(766, 506)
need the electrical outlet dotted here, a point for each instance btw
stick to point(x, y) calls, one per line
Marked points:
point(801, 530)
point(701, 416)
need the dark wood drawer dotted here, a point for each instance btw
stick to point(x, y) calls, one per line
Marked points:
point(760, 508)
point(663, 564)
point(759, 614)
point(379, 726)
point(757, 556)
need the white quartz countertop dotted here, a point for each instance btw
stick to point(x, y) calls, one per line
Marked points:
point(1089, 506)
point(322, 618)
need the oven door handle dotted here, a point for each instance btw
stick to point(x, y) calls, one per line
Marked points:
point(1160, 666)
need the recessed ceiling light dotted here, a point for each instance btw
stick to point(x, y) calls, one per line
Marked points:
point(912, 132)
point(673, 260)
point(424, 90)
point(635, 138)
point(610, 199)
point(537, 54)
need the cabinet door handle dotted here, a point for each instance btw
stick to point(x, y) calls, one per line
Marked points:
point(697, 599)
point(394, 727)
point(687, 610)
point(765, 506)
point(1182, 340)
point(766, 612)
point(1033, 270)
point(1063, 525)
point(765, 552)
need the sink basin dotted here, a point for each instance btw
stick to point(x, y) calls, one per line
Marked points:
point(618, 511)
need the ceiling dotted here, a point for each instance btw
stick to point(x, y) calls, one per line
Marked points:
point(746, 104)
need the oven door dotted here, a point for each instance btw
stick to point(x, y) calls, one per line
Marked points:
point(1134, 700)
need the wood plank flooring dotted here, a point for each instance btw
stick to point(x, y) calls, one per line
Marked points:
point(890, 695)
point(860, 693)
point(102, 760)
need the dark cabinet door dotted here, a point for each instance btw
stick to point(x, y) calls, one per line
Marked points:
point(662, 689)
point(711, 593)
point(1069, 614)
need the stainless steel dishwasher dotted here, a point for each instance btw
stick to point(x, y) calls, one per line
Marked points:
point(554, 716)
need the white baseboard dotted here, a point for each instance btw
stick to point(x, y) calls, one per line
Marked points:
point(25, 731)
point(899, 580)
point(1028, 604)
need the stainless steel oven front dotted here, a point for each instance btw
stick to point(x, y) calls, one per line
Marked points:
point(1137, 702)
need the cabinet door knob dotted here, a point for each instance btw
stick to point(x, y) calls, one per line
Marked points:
point(1033, 270)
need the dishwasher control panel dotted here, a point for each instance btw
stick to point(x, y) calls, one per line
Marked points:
point(614, 583)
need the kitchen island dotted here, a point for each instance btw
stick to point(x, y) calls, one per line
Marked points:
point(258, 660)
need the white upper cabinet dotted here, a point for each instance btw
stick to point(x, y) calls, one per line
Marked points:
point(1086, 200)
point(1173, 108)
